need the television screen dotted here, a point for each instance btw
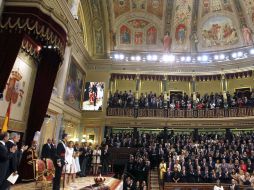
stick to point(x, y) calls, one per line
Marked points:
point(93, 96)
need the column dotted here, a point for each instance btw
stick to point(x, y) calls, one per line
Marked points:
point(74, 8)
point(109, 93)
point(62, 73)
point(164, 90)
point(193, 87)
point(138, 81)
point(224, 86)
point(59, 127)
point(194, 25)
point(109, 87)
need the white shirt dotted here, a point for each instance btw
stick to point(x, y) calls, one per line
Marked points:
point(218, 188)
point(2, 142)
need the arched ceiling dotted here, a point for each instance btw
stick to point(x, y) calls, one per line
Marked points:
point(192, 25)
point(177, 26)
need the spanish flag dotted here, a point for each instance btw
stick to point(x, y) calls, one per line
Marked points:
point(6, 119)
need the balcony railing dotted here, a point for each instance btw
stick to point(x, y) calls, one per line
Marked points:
point(169, 113)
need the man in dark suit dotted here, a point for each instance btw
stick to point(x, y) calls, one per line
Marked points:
point(5, 156)
point(47, 151)
point(59, 161)
point(105, 160)
point(85, 158)
point(17, 155)
point(15, 160)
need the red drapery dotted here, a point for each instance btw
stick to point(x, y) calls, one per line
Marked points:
point(44, 82)
point(9, 48)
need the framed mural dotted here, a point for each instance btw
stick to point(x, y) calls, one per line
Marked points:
point(219, 31)
point(16, 90)
point(74, 86)
point(93, 96)
point(151, 35)
point(125, 35)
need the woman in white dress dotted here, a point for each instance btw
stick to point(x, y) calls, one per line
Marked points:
point(96, 159)
point(76, 156)
point(70, 169)
point(100, 88)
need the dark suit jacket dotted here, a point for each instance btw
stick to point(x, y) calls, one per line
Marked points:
point(105, 156)
point(85, 152)
point(15, 159)
point(60, 153)
point(46, 151)
point(4, 163)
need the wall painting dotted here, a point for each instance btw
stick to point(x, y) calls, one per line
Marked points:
point(74, 85)
point(151, 36)
point(125, 35)
point(16, 90)
point(121, 7)
point(138, 38)
point(155, 7)
point(219, 31)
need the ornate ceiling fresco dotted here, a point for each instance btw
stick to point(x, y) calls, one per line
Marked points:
point(169, 25)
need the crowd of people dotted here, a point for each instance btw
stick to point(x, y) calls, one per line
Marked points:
point(11, 158)
point(152, 100)
point(204, 158)
point(181, 159)
point(79, 159)
point(137, 171)
point(69, 159)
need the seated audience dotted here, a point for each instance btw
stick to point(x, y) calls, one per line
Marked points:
point(181, 101)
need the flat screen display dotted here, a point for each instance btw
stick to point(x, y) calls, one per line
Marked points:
point(93, 96)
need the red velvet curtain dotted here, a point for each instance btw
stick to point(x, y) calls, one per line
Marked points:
point(10, 44)
point(44, 83)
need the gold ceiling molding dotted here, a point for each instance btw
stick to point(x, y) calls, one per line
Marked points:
point(19, 24)
point(37, 28)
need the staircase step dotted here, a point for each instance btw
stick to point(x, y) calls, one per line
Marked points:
point(154, 180)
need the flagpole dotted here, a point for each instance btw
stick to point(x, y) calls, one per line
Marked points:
point(7, 118)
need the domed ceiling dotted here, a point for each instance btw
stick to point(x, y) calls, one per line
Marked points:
point(181, 25)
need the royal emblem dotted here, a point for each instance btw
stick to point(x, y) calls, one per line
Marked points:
point(13, 89)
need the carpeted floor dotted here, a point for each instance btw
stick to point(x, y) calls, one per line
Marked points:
point(79, 184)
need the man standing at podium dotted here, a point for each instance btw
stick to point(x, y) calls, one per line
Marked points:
point(59, 161)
